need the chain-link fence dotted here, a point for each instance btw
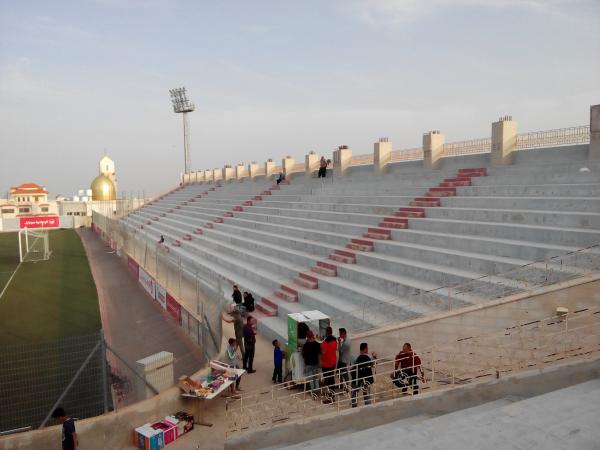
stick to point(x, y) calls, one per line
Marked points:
point(87, 377)
point(82, 374)
point(192, 294)
point(34, 378)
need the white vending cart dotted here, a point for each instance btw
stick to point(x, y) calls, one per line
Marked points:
point(298, 325)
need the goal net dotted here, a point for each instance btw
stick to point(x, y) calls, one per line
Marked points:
point(34, 245)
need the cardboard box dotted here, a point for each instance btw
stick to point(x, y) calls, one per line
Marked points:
point(169, 430)
point(178, 423)
point(147, 438)
point(186, 422)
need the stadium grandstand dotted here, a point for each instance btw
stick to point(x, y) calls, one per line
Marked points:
point(484, 254)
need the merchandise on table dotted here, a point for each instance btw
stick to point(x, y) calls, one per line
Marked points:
point(201, 388)
point(147, 438)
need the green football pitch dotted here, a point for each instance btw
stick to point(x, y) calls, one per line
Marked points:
point(47, 300)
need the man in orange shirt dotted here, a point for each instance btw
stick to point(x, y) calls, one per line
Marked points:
point(328, 359)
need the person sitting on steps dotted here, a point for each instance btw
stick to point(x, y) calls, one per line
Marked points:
point(248, 302)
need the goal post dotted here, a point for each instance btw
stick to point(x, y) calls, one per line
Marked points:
point(34, 245)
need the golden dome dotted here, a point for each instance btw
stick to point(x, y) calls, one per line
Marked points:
point(103, 188)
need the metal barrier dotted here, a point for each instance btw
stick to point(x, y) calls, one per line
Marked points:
point(410, 154)
point(80, 373)
point(554, 138)
point(298, 167)
point(361, 160)
point(534, 344)
point(469, 147)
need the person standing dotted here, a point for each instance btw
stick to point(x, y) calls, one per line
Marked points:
point(249, 345)
point(362, 375)
point(277, 363)
point(409, 364)
point(345, 358)
point(236, 295)
point(322, 168)
point(233, 360)
point(329, 358)
point(310, 353)
point(70, 441)
point(238, 328)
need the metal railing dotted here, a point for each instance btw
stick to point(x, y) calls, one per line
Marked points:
point(472, 146)
point(410, 154)
point(534, 344)
point(298, 167)
point(361, 160)
point(554, 138)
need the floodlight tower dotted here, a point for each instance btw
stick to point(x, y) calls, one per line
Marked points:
point(181, 105)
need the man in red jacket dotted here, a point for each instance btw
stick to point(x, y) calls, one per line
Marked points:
point(407, 365)
point(328, 360)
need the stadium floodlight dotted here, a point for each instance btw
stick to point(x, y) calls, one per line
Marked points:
point(181, 105)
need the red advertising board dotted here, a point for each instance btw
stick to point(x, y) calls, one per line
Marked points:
point(39, 222)
point(133, 267)
point(173, 308)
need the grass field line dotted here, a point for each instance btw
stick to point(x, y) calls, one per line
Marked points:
point(10, 279)
point(14, 272)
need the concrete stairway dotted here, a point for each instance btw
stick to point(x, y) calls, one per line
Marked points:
point(363, 248)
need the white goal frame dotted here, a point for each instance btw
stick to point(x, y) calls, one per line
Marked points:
point(34, 245)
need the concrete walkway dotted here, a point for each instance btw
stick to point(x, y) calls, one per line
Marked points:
point(563, 419)
point(135, 325)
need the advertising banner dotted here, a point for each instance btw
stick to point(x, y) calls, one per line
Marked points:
point(133, 267)
point(147, 282)
point(161, 296)
point(174, 308)
point(39, 222)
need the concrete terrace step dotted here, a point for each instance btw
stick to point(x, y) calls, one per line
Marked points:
point(520, 216)
point(379, 210)
point(542, 190)
point(581, 204)
point(576, 237)
point(396, 284)
point(512, 248)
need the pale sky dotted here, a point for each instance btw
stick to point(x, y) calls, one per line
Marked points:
point(272, 78)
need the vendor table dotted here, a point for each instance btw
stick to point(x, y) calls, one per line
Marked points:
point(200, 408)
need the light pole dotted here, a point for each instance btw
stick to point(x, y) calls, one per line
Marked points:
point(181, 105)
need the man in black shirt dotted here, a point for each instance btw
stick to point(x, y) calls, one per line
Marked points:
point(310, 353)
point(69, 436)
point(248, 302)
point(362, 375)
point(237, 295)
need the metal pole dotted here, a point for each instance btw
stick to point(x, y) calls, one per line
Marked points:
point(104, 374)
point(70, 385)
point(197, 292)
point(179, 268)
point(186, 143)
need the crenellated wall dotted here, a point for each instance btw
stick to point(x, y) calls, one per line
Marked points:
point(502, 148)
